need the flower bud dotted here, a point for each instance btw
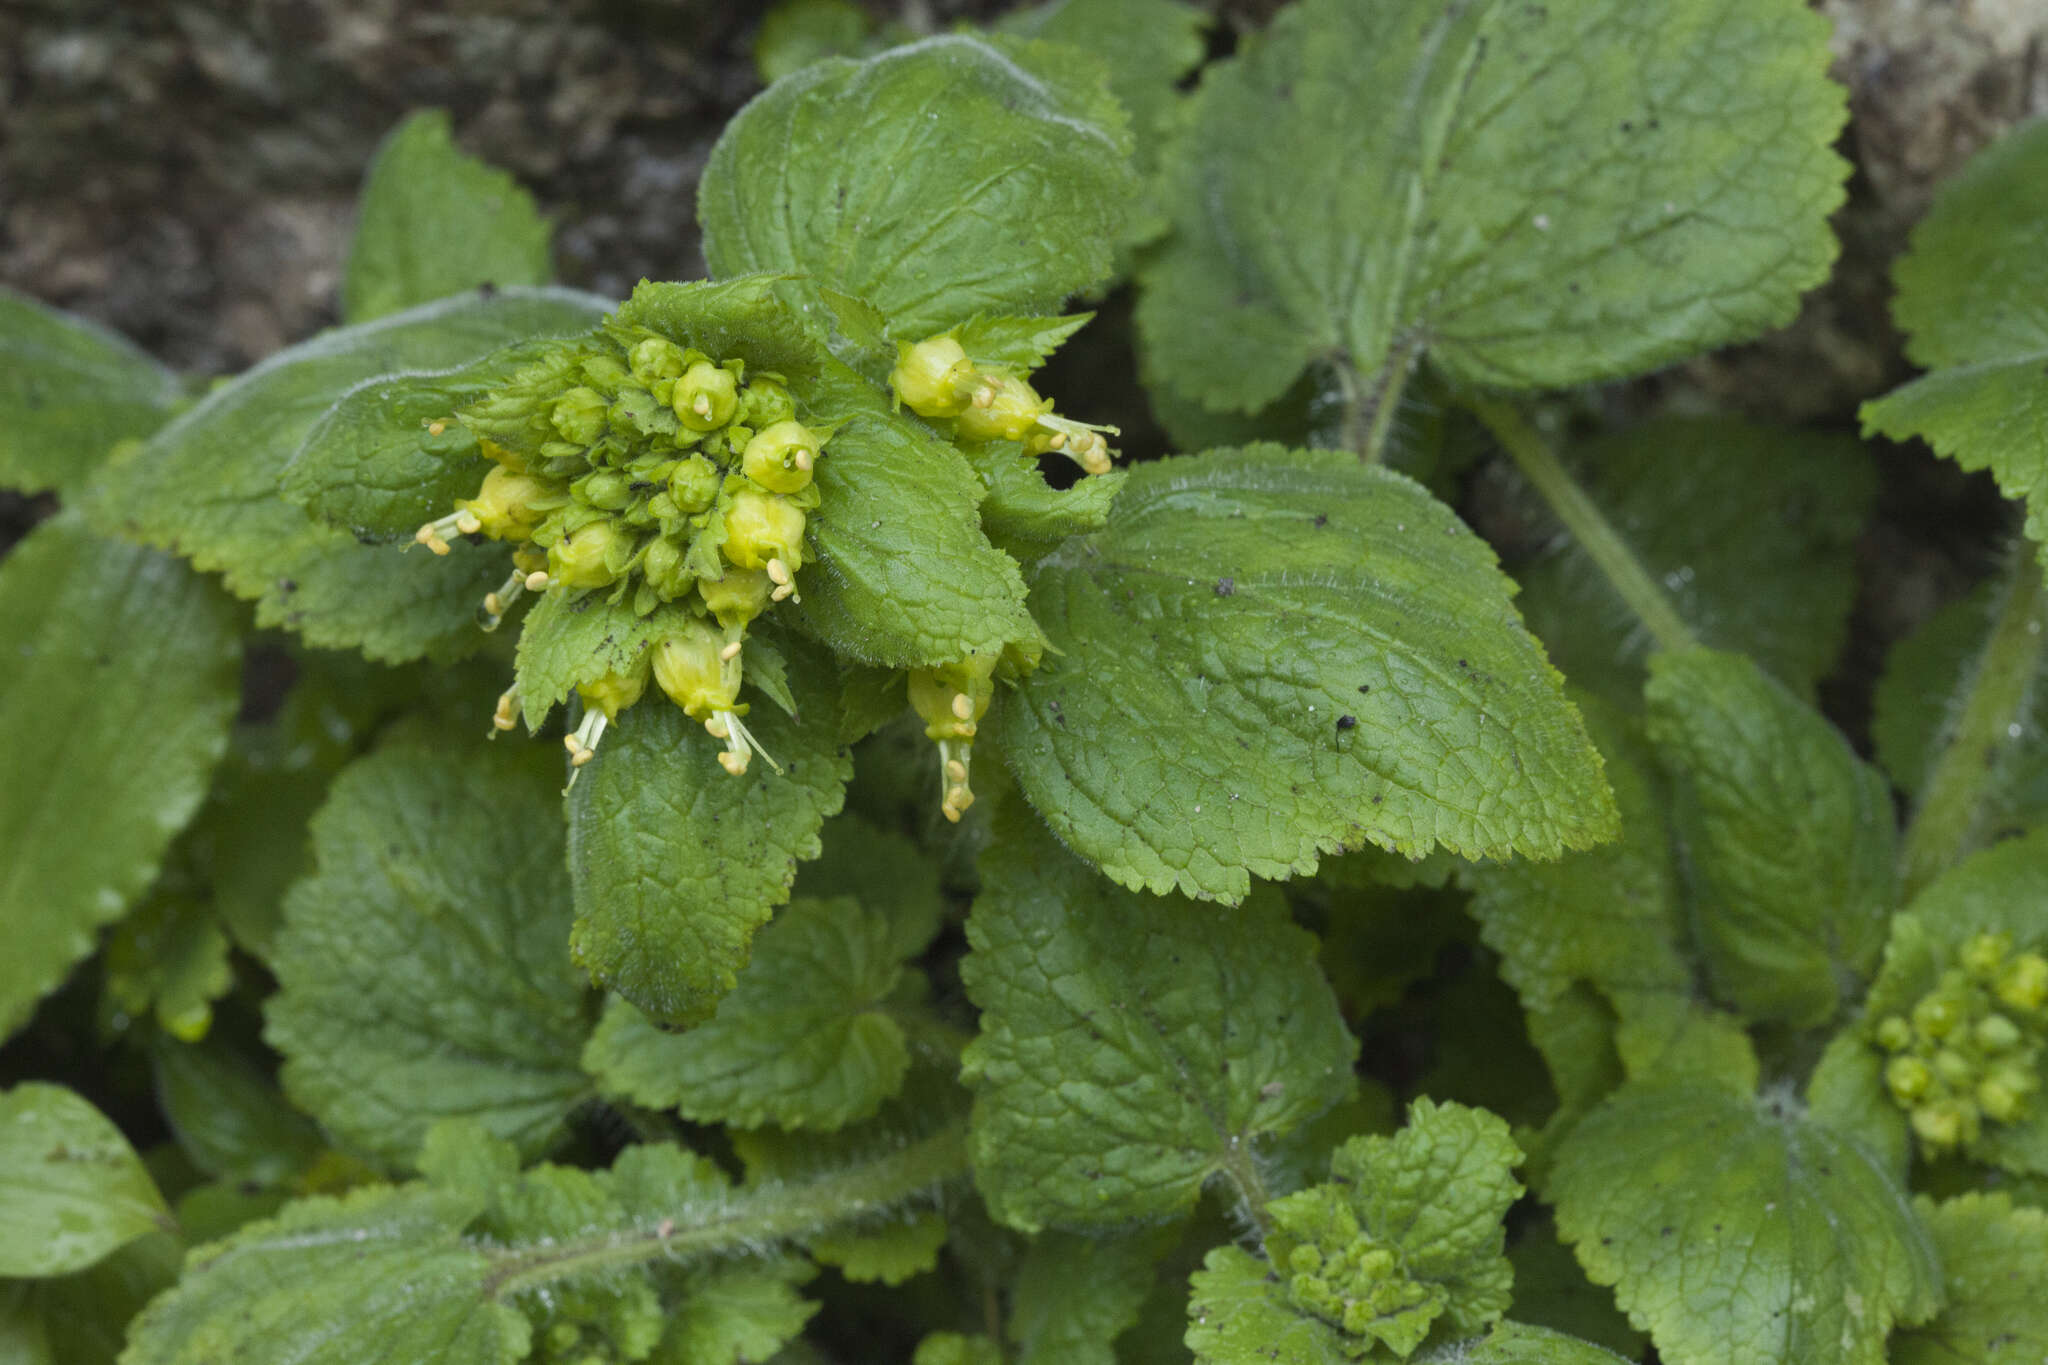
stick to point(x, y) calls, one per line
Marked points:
point(1996, 1033)
point(653, 359)
point(706, 397)
point(1954, 1068)
point(590, 557)
point(511, 505)
point(690, 670)
point(615, 692)
point(2024, 983)
point(738, 597)
point(934, 378)
point(1894, 1034)
point(780, 457)
point(1936, 1016)
point(1983, 954)
point(1907, 1078)
point(694, 483)
point(1945, 1124)
point(765, 402)
point(663, 567)
point(579, 416)
point(763, 526)
point(606, 489)
point(1001, 408)
point(2001, 1102)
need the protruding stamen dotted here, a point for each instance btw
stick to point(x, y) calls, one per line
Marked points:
point(802, 459)
point(702, 405)
point(582, 745)
point(955, 795)
point(783, 593)
point(985, 395)
point(507, 714)
point(963, 708)
point(538, 581)
point(1081, 442)
point(434, 535)
point(436, 427)
point(740, 744)
point(497, 603)
point(778, 572)
point(956, 770)
point(730, 652)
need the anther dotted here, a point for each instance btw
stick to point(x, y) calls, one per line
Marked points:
point(782, 593)
point(962, 707)
point(778, 572)
point(702, 405)
point(956, 770)
point(537, 581)
point(436, 428)
point(730, 652)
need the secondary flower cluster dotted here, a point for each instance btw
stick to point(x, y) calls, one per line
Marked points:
point(1969, 1051)
point(1358, 1288)
point(974, 403)
point(663, 476)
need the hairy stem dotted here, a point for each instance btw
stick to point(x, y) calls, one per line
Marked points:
point(1243, 1172)
point(1994, 701)
point(750, 1219)
point(1369, 412)
point(1595, 534)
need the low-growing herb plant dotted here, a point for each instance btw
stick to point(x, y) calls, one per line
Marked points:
point(780, 845)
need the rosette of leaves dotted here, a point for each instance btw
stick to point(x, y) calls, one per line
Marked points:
point(1118, 640)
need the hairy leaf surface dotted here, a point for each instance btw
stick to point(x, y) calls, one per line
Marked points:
point(676, 863)
point(1789, 837)
point(1268, 656)
point(433, 222)
point(422, 969)
point(1536, 195)
point(1132, 1046)
point(1991, 1258)
point(206, 486)
point(949, 177)
point(805, 1040)
point(71, 1188)
point(1975, 310)
point(120, 681)
point(68, 391)
point(1736, 1229)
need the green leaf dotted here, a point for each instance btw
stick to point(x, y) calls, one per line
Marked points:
point(1010, 202)
point(806, 1039)
point(71, 1189)
point(1016, 343)
point(366, 465)
point(1789, 837)
point(905, 576)
point(954, 1348)
point(737, 1313)
point(206, 486)
point(676, 863)
point(1924, 678)
point(1155, 45)
point(1239, 1315)
point(1132, 1046)
point(1074, 1295)
point(796, 33)
point(570, 638)
point(1404, 1242)
point(884, 871)
point(383, 1273)
point(1736, 1229)
point(1751, 529)
point(69, 390)
point(1991, 1255)
point(1976, 314)
point(1551, 1291)
point(433, 222)
point(169, 960)
point(229, 1117)
point(1027, 516)
point(1541, 195)
point(82, 1318)
point(421, 969)
point(1183, 737)
point(122, 679)
point(890, 1254)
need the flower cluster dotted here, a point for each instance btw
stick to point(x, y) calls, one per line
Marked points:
point(630, 465)
point(1969, 1050)
point(974, 403)
point(1359, 1288)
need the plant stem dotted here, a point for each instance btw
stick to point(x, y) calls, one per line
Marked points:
point(1994, 702)
point(748, 1220)
point(1243, 1172)
point(1369, 417)
point(1594, 533)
